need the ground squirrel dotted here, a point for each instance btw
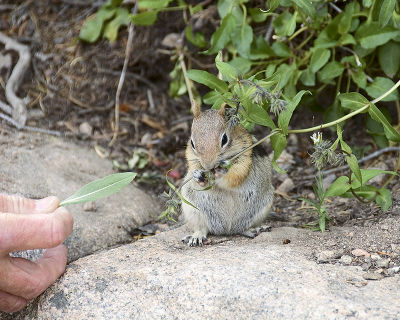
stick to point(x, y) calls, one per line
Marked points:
point(241, 196)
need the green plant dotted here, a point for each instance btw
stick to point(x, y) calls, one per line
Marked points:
point(318, 205)
point(351, 47)
point(325, 153)
point(100, 188)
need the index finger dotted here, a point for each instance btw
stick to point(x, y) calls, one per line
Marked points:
point(33, 231)
point(17, 204)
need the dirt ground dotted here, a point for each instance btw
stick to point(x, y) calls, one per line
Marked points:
point(72, 86)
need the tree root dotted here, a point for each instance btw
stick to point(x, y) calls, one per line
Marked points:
point(19, 112)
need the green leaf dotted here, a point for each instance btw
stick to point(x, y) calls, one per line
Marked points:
point(306, 6)
point(258, 115)
point(319, 58)
point(353, 164)
point(122, 17)
point(281, 49)
point(153, 4)
point(286, 115)
point(208, 80)
point(225, 7)
point(283, 74)
point(332, 70)
point(260, 49)
point(353, 101)
point(367, 3)
point(100, 188)
point(242, 65)
point(368, 174)
point(386, 12)
point(375, 129)
point(257, 15)
point(338, 187)
point(384, 199)
point(372, 35)
point(308, 77)
point(228, 72)
point(390, 132)
point(324, 40)
point(91, 31)
point(195, 38)
point(146, 18)
point(114, 3)
point(242, 38)
point(278, 143)
point(346, 39)
point(380, 86)
point(359, 78)
point(389, 58)
point(273, 4)
point(223, 34)
point(285, 24)
point(345, 21)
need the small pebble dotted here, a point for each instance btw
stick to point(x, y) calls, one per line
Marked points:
point(327, 255)
point(366, 266)
point(86, 129)
point(393, 270)
point(372, 276)
point(346, 260)
point(286, 186)
point(360, 252)
point(375, 257)
point(395, 247)
point(357, 282)
point(382, 263)
point(89, 206)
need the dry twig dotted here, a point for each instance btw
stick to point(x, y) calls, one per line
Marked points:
point(19, 113)
point(128, 50)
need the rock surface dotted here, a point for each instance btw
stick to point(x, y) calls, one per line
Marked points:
point(233, 278)
point(36, 166)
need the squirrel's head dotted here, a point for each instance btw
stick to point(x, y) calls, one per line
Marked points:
point(214, 138)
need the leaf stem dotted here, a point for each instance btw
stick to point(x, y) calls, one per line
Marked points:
point(275, 131)
point(294, 35)
point(348, 116)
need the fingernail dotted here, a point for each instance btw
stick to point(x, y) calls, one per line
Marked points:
point(47, 204)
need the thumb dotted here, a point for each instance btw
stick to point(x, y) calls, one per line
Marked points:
point(46, 205)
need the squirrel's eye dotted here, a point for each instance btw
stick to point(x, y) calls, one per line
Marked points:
point(191, 142)
point(224, 140)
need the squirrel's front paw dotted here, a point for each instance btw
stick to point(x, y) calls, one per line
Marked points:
point(200, 177)
point(195, 240)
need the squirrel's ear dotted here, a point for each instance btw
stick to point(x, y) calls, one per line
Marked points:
point(195, 108)
point(221, 110)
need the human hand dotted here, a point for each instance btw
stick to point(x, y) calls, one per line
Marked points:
point(30, 224)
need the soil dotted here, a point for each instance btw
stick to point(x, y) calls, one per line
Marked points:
point(72, 87)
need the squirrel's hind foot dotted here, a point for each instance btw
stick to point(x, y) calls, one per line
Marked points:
point(195, 240)
point(254, 232)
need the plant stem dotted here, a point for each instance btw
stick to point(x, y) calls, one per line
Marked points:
point(395, 170)
point(275, 131)
point(301, 45)
point(348, 116)
point(187, 80)
point(294, 35)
